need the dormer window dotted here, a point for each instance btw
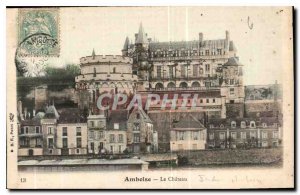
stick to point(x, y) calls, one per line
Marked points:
point(116, 125)
point(264, 125)
point(221, 126)
point(252, 124)
point(211, 126)
point(243, 124)
point(233, 124)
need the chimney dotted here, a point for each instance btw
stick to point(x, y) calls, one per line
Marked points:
point(33, 113)
point(135, 35)
point(200, 37)
point(227, 35)
point(25, 112)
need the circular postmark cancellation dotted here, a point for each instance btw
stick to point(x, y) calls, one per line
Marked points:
point(39, 32)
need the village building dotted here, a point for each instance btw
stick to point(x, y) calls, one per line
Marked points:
point(140, 133)
point(187, 134)
point(244, 133)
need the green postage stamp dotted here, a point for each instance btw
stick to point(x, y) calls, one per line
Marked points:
point(38, 32)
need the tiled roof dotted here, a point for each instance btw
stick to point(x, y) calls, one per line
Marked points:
point(188, 122)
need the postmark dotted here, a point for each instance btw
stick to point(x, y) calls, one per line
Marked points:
point(38, 33)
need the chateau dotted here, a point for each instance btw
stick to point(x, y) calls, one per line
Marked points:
point(224, 114)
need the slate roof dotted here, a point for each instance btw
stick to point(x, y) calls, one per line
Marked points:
point(188, 122)
point(233, 62)
point(126, 44)
point(31, 122)
point(51, 112)
point(141, 38)
point(258, 121)
point(117, 116)
point(71, 115)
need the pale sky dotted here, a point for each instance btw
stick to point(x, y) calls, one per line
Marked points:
point(260, 49)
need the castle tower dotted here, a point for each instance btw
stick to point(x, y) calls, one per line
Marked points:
point(125, 47)
point(141, 56)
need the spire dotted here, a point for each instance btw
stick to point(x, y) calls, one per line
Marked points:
point(93, 54)
point(126, 44)
point(141, 35)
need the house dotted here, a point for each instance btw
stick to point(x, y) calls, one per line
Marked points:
point(244, 132)
point(140, 133)
point(187, 134)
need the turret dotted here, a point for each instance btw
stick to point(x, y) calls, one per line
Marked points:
point(125, 47)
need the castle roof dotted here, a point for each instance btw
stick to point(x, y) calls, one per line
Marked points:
point(126, 44)
point(233, 61)
point(141, 38)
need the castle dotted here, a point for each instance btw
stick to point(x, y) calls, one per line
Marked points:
point(220, 116)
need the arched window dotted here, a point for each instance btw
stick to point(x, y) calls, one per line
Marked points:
point(233, 124)
point(195, 84)
point(252, 124)
point(159, 86)
point(171, 85)
point(183, 85)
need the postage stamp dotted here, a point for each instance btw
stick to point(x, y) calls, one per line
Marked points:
point(38, 32)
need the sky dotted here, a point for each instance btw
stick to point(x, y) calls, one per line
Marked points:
point(260, 34)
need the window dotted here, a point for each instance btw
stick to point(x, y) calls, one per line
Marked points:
point(101, 134)
point(275, 125)
point(65, 142)
point(207, 100)
point(94, 72)
point(264, 125)
point(181, 135)
point(120, 149)
point(91, 135)
point(111, 138)
point(77, 151)
point(50, 143)
point(233, 124)
point(231, 91)
point(159, 72)
point(65, 131)
point(211, 126)
point(112, 149)
point(214, 100)
point(50, 130)
point(138, 116)
point(219, 51)
point(195, 70)
point(207, 68)
point(171, 72)
point(264, 144)
point(264, 135)
point(222, 136)
point(231, 81)
point(116, 125)
point(136, 127)
point(201, 100)
point(201, 71)
point(22, 130)
point(92, 124)
point(252, 134)
point(243, 135)
point(243, 124)
point(78, 142)
point(221, 126)
point(195, 135)
point(211, 136)
point(120, 138)
point(207, 52)
point(275, 134)
point(183, 71)
point(252, 124)
point(136, 137)
point(37, 129)
point(233, 135)
point(114, 69)
point(78, 131)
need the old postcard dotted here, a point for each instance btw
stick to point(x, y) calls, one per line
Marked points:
point(150, 97)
